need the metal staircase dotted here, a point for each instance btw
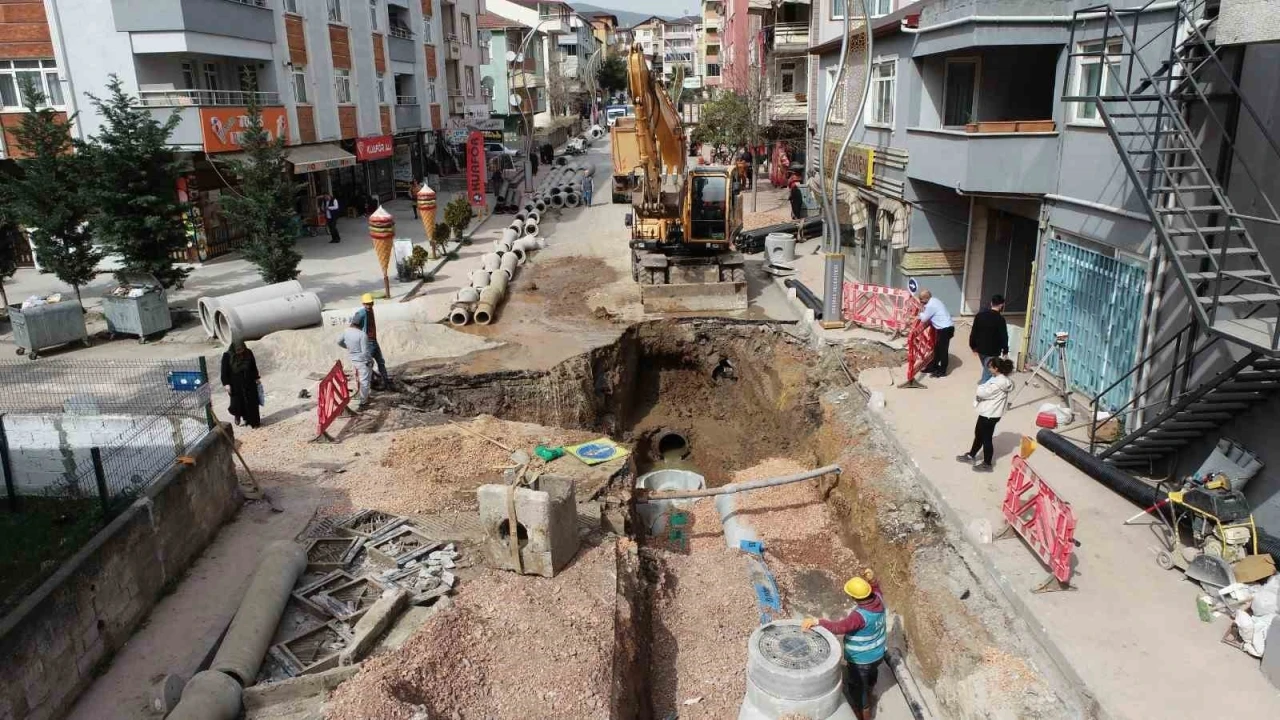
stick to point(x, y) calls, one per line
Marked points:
point(1157, 93)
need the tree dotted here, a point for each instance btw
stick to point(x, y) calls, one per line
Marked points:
point(612, 75)
point(458, 215)
point(49, 197)
point(9, 235)
point(723, 121)
point(134, 186)
point(263, 203)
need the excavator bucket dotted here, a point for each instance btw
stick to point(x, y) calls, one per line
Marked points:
point(692, 285)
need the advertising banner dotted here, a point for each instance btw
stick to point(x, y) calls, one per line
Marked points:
point(374, 148)
point(475, 169)
point(223, 128)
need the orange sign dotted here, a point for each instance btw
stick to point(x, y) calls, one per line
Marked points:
point(223, 127)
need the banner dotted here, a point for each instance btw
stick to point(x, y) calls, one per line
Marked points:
point(475, 169)
point(374, 148)
point(223, 128)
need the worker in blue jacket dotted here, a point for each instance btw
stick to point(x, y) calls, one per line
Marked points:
point(864, 630)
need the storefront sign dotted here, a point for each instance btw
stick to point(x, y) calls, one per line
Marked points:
point(223, 128)
point(455, 136)
point(374, 148)
point(475, 169)
point(861, 164)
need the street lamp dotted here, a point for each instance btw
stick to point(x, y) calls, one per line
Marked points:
point(514, 59)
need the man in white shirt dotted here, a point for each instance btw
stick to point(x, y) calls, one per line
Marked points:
point(935, 313)
point(356, 342)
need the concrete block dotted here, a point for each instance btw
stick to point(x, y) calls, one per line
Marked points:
point(374, 622)
point(1271, 654)
point(303, 686)
point(546, 525)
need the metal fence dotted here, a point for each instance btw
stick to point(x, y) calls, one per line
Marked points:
point(98, 429)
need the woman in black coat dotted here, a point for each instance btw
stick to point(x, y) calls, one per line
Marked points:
point(240, 380)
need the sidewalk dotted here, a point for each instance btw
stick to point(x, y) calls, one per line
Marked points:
point(1129, 632)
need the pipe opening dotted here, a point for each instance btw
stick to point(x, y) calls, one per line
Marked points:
point(672, 446)
point(522, 533)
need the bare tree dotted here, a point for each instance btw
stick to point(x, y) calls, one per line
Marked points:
point(751, 84)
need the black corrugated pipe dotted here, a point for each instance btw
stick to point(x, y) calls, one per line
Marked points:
point(806, 296)
point(1128, 486)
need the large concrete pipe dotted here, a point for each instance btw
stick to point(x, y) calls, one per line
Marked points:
point(530, 228)
point(528, 207)
point(511, 233)
point(490, 298)
point(209, 305)
point(561, 161)
point(501, 247)
point(572, 200)
point(467, 295)
point(245, 644)
point(259, 319)
point(553, 191)
point(533, 215)
point(490, 261)
point(480, 278)
point(509, 263)
point(518, 218)
point(210, 695)
point(523, 247)
point(540, 205)
point(557, 201)
point(460, 314)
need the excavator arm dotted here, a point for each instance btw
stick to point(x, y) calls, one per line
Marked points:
point(659, 133)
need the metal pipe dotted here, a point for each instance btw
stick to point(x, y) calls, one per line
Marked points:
point(734, 488)
point(245, 644)
point(259, 319)
point(207, 306)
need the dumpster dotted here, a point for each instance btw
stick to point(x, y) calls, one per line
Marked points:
point(138, 305)
point(41, 323)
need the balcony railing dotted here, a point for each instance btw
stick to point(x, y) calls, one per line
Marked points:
point(1020, 161)
point(399, 31)
point(457, 106)
point(406, 99)
point(672, 35)
point(788, 106)
point(791, 35)
point(455, 92)
point(178, 98)
point(455, 47)
point(252, 3)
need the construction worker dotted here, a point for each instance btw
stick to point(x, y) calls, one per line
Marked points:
point(364, 320)
point(864, 631)
point(356, 343)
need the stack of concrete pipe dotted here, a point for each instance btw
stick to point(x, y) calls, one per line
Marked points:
point(208, 306)
point(562, 188)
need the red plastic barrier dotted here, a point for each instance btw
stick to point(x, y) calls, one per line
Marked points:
point(1044, 520)
point(332, 399)
point(877, 306)
point(920, 344)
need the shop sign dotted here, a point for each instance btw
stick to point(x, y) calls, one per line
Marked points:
point(455, 136)
point(223, 128)
point(487, 124)
point(374, 148)
point(475, 169)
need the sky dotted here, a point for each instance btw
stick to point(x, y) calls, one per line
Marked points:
point(653, 7)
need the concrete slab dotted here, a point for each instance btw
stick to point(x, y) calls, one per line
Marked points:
point(1129, 626)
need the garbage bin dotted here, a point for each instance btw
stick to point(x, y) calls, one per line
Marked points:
point(138, 305)
point(46, 325)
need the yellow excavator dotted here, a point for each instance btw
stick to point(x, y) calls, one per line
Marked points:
point(684, 219)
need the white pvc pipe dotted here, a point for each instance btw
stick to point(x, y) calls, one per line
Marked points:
point(207, 306)
point(259, 319)
point(734, 488)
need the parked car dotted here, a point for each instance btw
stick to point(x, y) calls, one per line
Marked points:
point(497, 147)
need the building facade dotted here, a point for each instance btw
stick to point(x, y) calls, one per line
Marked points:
point(711, 41)
point(517, 88)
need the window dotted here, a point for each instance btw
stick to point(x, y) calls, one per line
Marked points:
point(884, 76)
point(291, 6)
point(43, 74)
point(426, 31)
point(431, 92)
point(881, 7)
point(471, 82)
point(713, 69)
point(248, 77)
point(959, 90)
point(1093, 77)
point(837, 9)
point(373, 15)
point(342, 85)
point(299, 75)
point(189, 75)
point(382, 89)
point(835, 95)
point(787, 77)
point(211, 84)
point(335, 11)
point(466, 29)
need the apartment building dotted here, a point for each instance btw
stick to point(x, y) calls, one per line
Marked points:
point(678, 47)
point(604, 27)
point(1111, 175)
point(559, 37)
point(576, 54)
point(710, 42)
point(743, 43)
point(787, 60)
point(523, 79)
point(648, 35)
point(359, 89)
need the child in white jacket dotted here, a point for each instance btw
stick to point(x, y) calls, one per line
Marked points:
point(992, 397)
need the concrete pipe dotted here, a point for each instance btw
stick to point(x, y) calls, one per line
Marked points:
point(597, 132)
point(209, 305)
point(527, 244)
point(247, 639)
point(533, 215)
point(480, 278)
point(527, 207)
point(561, 161)
point(460, 314)
point(519, 217)
point(490, 261)
point(490, 298)
point(210, 695)
point(509, 263)
point(542, 242)
point(553, 192)
point(512, 233)
point(259, 319)
point(530, 228)
point(540, 205)
point(557, 201)
point(572, 200)
point(501, 247)
point(519, 254)
point(467, 295)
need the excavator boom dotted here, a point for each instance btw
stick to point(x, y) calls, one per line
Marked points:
point(658, 130)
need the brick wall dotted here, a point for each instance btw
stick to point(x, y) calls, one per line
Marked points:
point(306, 123)
point(24, 32)
point(52, 644)
point(296, 39)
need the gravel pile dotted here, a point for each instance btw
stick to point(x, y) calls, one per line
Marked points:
point(513, 647)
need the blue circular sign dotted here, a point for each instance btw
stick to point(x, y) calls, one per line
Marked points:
point(597, 451)
point(913, 286)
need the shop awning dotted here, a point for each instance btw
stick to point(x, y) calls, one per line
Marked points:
point(321, 156)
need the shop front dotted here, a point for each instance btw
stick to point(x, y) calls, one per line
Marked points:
point(313, 169)
point(875, 218)
point(406, 162)
point(376, 155)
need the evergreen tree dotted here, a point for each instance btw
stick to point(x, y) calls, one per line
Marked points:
point(134, 186)
point(50, 196)
point(612, 75)
point(262, 204)
point(8, 252)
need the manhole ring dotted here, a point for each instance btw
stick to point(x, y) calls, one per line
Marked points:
point(787, 646)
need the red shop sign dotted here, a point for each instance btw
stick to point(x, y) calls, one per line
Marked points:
point(475, 168)
point(374, 148)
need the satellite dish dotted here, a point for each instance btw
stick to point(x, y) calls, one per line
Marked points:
point(514, 100)
point(511, 56)
point(487, 82)
point(519, 57)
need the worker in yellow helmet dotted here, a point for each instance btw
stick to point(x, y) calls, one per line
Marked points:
point(864, 631)
point(365, 321)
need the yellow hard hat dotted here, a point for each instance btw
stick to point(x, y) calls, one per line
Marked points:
point(857, 588)
point(366, 299)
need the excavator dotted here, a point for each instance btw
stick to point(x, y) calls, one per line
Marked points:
point(683, 219)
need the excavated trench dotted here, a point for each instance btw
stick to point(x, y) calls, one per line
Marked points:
point(736, 394)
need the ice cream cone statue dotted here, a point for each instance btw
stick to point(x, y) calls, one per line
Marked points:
point(382, 230)
point(426, 199)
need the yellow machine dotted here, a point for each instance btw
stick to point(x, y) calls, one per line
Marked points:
point(683, 219)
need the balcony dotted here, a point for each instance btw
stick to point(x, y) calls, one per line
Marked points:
point(714, 23)
point(209, 98)
point(788, 106)
point(457, 104)
point(408, 113)
point(791, 37)
point(677, 35)
point(156, 21)
point(198, 108)
point(523, 80)
point(1018, 162)
point(401, 49)
point(554, 24)
point(453, 47)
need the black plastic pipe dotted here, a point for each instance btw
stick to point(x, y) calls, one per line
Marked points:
point(1129, 487)
point(806, 296)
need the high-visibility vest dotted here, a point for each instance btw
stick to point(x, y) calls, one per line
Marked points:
point(866, 646)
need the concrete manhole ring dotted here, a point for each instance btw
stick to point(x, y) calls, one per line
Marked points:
point(790, 647)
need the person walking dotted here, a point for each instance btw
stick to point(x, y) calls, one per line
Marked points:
point(357, 345)
point(331, 208)
point(588, 185)
point(935, 313)
point(240, 379)
point(365, 320)
point(533, 165)
point(991, 400)
point(989, 337)
point(414, 187)
point(865, 631)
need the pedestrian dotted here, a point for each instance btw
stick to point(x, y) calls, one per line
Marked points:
point(533, 163)
point(241, 381)
point(365, 320)
point(357, 345)
point(414, 187)
point(796, 197)
point(989, 336)
point(331, 208)
point(935, 313)
point(588, 185)
point(864, 631)
point(991, 400)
